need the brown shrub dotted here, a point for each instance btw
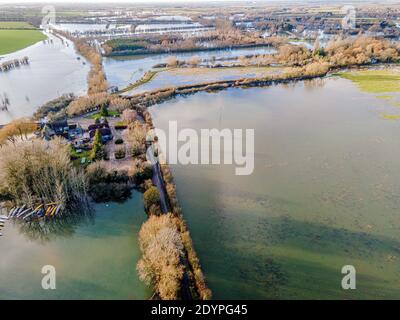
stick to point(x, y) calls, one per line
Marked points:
point(162, 249)
point(38, 171)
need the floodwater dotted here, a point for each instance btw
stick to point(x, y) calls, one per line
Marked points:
point(188, 76)
point(122, 71)
point(54, 70)
point(324, 192)
point(94, 258)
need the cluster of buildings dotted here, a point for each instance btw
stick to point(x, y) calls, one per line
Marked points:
point(80, 138)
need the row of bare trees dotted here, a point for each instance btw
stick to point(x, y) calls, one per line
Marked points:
point(95, 101)
point(17, 130)
point(167, 247)
point(97, 81)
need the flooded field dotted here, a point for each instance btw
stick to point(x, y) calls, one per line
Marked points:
point(324, 192)
point(122, 71)
point(54, 69)
point(187, 76)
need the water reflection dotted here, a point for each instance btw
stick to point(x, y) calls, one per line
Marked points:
point(95, 257)
point(42, 230)
point(323, 193)
point(121, 71)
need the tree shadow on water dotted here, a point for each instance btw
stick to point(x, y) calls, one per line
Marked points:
point(44, 230)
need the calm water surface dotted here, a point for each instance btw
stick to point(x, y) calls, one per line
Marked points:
point(94, 258)
point(324, 192)
point(121, 71)
point(54, 70)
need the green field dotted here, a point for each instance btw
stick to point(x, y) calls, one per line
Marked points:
point(15, 25)
point(13, 40)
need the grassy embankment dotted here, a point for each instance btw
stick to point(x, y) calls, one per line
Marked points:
point(147, 77)
point(200, 75)
point(17, 35)
point(384, 83)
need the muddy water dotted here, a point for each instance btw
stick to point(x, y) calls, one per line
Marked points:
point(121, 71)
point(54, 70)
point(94, 257)
point(324, 192)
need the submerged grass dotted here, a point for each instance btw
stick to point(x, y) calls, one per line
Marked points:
point(147, 77)
point(385, 97)
point(390, 116)
point(375, 81)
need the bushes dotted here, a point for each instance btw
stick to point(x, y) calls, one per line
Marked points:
point(105, 192)
point(87, 103)
point(136, 134)
point(40, 171)
point(360, 50)
point(162, 250)
point(107, 185)
point(143, 170)
point(172, 61)
point(54, 108)
point(294, 55)
point(119, 104)
point(98, 172)
point(98, 152)
point(19, 128)
point(129, 116)
point(151, 197)
point(104, 110)
point(120, 153)
point(137, 150)
point(119, 141)
point(194, 61)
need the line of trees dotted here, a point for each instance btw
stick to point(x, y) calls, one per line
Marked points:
point(189, 262)
point(341, 52)
point(97, 101)
point(17, 130)
point(222, 37)
point(97, 81)
point(162, 250)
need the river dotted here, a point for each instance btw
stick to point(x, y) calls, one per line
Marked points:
point(323, 194)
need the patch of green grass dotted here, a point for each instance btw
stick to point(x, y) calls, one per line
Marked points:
point(97, 115)
point(375, 81)
point(119, 124)
point(14, 40)
point(147, 77)
point(78, 156)
point(15, 25)
point(390, 116)
point(385, 97)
